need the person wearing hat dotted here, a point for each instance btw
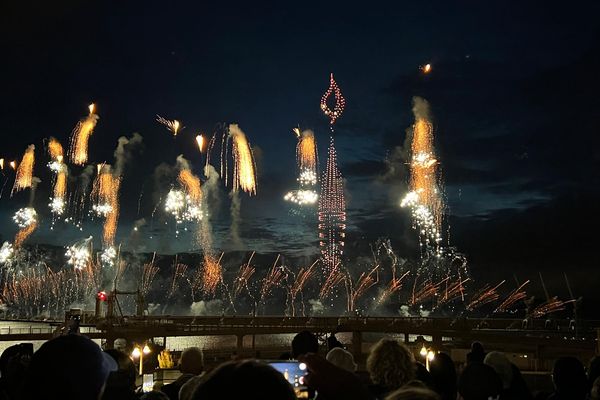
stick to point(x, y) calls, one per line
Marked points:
point(70, 367)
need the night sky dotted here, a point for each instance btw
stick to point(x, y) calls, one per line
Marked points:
point(513, 94)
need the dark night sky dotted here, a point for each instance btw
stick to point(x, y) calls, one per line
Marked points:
point(513, 94)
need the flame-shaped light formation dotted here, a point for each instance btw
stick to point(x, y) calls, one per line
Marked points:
point(425, 198)
point(173, 126)
point(26, 220)
point(340, 102)
point(24, 176)
point(244, 171)
point(306, 156)
point(1, 163)
point(56, 165)
point(80, 137)
point(332, 213)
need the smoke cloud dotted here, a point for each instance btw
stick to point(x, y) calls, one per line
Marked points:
point(124, 150)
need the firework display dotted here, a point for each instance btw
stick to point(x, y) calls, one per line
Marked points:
point(35, 283)
point(81, 136)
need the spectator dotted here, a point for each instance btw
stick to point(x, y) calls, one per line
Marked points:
point(13, 366)
point(443, 376)
point(341, 358)
point(390, 365)
point(479, 382)
point(303, 343)
point(70, 367)
point(513, 385)
point(422, 375)
point(191, 364)
point(120, 384)
point(477, 354)
point(249, 380)
point(154, 396)
point(593, 371)
point(595, 392)
point(333, 342)
point(570, 381)
point(188, 388)
point(413, 393)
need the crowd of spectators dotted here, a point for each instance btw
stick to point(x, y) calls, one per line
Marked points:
point(73, 367)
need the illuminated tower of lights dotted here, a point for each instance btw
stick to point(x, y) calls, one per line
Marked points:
point(332, 213)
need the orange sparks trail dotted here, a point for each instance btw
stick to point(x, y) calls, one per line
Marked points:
point(244, 172)
point(423, 177)
point(243, 277)
point(212, 273)
point(24, 177)
point(105, 193)
point(80, 137)
point(173, 126)
point(306, 151)
point(512, 298)
point(335, 277)
point(55, 150)
point(273, 279)
point(191, 183)
point(393, 286)
point(24, 233)
point(356, 291)
point(60, 187)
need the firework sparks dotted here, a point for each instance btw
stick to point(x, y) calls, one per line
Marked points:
point(243, 277)
point(302, 197)
point(108, 256)
point(173, 126)
point(306, 154)
point(552, 305)
point(356, 291)
point(512, 298)
point(212, 274)
point(273, 279)
point(424, 198)
point(335, 277)
point(105, 194)
point(6, 252)
point(244, 170)
point(24, 176)
point(391, 288)
point(79, 255)
point(179, 271)
point(485, 295)
point(2, 163)
point(340, 102)
point(80, 137)
point(149, 271)
point(26, 219)
point(57, 201)
point(426, 68)
point(298, 285)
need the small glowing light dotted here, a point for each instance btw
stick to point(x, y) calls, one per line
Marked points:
point(1, 163)
point(13, 165)
point(426, 68)
point(136, 353)
point(92, 108)
point(423, 351)
point(146, 349)
point(430, 355)
point(200, 141)
point(302, 366)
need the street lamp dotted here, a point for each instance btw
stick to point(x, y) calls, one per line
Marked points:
point(139, 352)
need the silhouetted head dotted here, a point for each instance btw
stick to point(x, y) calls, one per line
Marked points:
point(477, 353)
point(569, 377)
point(593, 369)
point(413, 393)
point(501, 365)
point(341, 358)
point(70, 367)
point(122, 381)
point(303, 343)
point(390, 364)
point(250, 380)
point(191, 361)
point(443, 375)
point(479, 382)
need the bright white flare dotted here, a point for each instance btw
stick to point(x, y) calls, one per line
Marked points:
point(79, 255)
point(422, 216)
point(57, 206)
point(108, 256)
point(6, 252)
point(25, 217)
point(182, 207)
point(302, 197)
